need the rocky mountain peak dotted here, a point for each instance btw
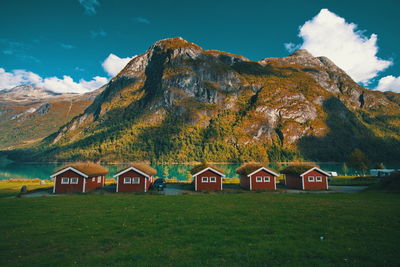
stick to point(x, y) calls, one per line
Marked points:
point(302, 53)
point(219, 98)
point(172, 47)
point(174, 43)
point(27, 92)
point(177, 45)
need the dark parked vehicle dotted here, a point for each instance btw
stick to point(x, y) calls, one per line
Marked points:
point(159, 184)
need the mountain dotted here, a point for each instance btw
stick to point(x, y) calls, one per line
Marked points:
point(29, 113)
point(178, 102)
point(26, 93)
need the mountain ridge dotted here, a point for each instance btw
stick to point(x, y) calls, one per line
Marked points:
point(29, 113)
point(26, 92)
point(179, 102)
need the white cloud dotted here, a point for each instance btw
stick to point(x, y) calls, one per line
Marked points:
point(89, 6)
point(17, 77)
point(114, 64)
point(67, 84)
point(142, 20)
point(291, 47)
point(67, 46)
point(9, 80)
point(330, 35)
point(389, 83)
point(96, 34)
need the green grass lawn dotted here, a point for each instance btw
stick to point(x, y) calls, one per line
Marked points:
point(354, 181)
point(206, 229)
point(9, 189)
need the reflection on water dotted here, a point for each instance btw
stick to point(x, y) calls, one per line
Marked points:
point(178, 171)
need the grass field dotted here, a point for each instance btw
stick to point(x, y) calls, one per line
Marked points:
point(12, 188)
point(343, 181)
point(206, 229)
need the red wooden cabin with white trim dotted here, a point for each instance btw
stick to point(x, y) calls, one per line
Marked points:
point(257, 177)
point(312, 179)
point(136, 178)
point(206, 177)
point(78, 178)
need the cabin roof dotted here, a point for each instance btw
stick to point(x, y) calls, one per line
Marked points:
point(315, 169)
point(203, 167)
point(142, 168)
point(297, 169)
point(249, 168)
point(87, 168)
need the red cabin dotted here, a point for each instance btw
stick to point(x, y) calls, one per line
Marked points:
point(136, 178)
point(311, 179)
point(256, 177)
point(207, 177)
point(78, 178)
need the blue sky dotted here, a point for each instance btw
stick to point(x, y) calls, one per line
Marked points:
point(66, 41)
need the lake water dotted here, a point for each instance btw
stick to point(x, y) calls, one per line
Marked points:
point(178, 171)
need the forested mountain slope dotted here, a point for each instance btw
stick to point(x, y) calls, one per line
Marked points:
point(178, 102)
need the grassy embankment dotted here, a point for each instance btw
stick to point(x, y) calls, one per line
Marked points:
point(205, 229)
point(354, 180)
point(12, 187)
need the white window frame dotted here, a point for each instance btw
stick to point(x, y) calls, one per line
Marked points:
point(204, 179)
point(267, 179)
point(310, 178)
point(259, 179)
point(136, 180)
point(67, 180)
point(94, 179)
point(318, 178)
point(99, 179)
point(74, 178)
point(213, 179)
point(127, 180)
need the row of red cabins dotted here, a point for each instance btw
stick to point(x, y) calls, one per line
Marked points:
point(82, 177)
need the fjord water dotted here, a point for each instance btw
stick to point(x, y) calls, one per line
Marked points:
point(177, 171)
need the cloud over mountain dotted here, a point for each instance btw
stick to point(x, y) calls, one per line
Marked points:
point(17, 77)
point(114, 64)
point(389, 83)
point(329, 35)
point(14, 78)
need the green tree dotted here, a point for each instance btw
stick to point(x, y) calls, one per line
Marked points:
point(358, 160)
point(345, 169)
point(380, 166)
point(165, 172)
point(189, 177)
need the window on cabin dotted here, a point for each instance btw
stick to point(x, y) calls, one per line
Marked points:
point(127, 180)
point(318, 179)
point(258, 179)
point(311, 178)
point(266, 179)
point(204, 179)
point(94, 179)
point(74, 180)
point(213, 180)
point(64, 180)
point(135, 180)
point(99, 179)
